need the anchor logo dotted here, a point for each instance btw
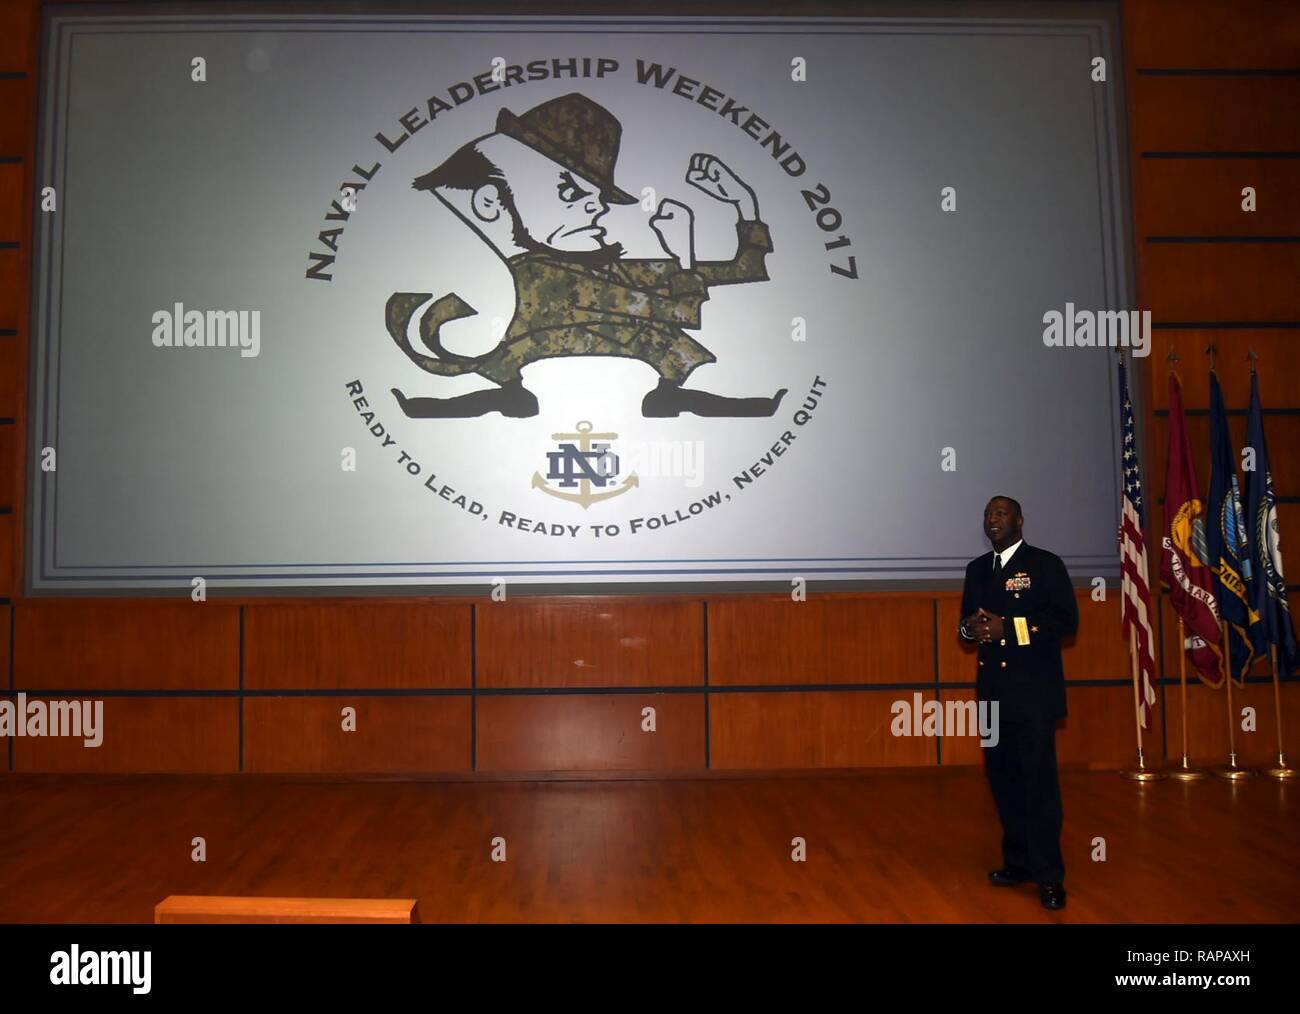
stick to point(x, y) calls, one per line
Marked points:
point(590, 462)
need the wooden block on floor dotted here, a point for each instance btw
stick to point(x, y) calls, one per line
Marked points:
point(189, 908)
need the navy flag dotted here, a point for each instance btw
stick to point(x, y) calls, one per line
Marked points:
point(1274, 626)
point(1225, 535)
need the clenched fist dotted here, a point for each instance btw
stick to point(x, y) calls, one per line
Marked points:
point(709, 174)
point(674, 223)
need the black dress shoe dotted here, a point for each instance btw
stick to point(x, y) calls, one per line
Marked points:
point(1052, 895)
point(511, 399)
point(1007, 877)
point(669, 400)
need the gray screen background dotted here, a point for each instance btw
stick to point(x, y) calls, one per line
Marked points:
point(197, 462)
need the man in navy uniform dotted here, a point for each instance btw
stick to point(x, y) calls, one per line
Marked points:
point(1018, 603)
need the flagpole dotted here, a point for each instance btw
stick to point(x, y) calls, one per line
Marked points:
point(1141, 773)
point(1281, 771)
point(1230, 770)
point(1135, 592)
point(1185, 773)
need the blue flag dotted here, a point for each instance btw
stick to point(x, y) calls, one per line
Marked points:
point(1225, 536)
point(1274, 626)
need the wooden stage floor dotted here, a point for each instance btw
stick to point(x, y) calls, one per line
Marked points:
point(898, 846)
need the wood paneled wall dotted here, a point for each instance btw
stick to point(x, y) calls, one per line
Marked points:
point(452, 687)
point(1214, 107)
point(463, 685)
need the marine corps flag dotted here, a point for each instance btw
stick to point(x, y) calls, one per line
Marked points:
point(1273, 626)
point(1184, 552)
point(1226, 536)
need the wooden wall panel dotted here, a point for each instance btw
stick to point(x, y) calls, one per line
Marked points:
point(16, 115)
point(1288, 521)
point(126, 645)
point(1202, 197)
point(590, 732)
point(145, 735)
point(1212, 282)
point(9, 457)
point(1195, 113)
point(1230, 106)
point(357, 645)
point(18, 61)
point(19, 20)
point(1212, 33)
point(11, 382)
point(1098, 650)
point(854, 639)
point(13, 282)
point(1279, 385)
point(956, 657)
point(394, 735)
point(13, 180)
point(960, 751)
point(812, 729)
point(1100, 727)
point(1098, 730)
point(1281, 431)
point(9, 536)
point(6, 619)
point(590, 642)
point(1168, 661)
point(1207, 730)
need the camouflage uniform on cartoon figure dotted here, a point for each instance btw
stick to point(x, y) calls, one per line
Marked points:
point(534, 190)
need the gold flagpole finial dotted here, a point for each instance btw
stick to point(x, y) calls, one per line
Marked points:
point(1252, 355)
point(1212, 352)
point(1173, 358)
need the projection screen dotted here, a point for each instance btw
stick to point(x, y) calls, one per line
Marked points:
point(275, 250)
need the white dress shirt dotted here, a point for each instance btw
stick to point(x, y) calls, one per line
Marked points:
point(1007, 553)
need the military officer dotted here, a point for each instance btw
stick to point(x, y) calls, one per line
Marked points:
point(1017, 604)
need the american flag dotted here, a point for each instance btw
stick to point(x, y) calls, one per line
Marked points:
point(1135, 600)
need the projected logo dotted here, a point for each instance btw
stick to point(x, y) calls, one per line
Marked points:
point(539, 195)
point(587, 470)
point(535, 191)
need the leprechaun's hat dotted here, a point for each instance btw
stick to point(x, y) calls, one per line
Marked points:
point(577, 133)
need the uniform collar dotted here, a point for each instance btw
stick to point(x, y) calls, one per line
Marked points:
point(1009, 552)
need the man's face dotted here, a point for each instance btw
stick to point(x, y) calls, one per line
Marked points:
point(555, 206)
point(1002, 523)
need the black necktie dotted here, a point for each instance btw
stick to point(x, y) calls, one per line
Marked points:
point(997, 566)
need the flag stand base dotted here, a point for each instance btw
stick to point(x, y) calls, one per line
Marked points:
point(1186, 773)
point(1281, 771)
point(1232, 772)
point(1141, 773)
